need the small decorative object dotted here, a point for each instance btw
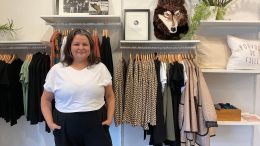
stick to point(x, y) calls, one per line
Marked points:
point(170, 20)
point(98, 7)
point(8, 30)
point(221, 5)
point(73, 7)
point(137, 24)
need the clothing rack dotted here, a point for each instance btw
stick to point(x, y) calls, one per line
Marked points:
point(82, 24)
point(159, 45)
point(16, 45)
point(22, 48)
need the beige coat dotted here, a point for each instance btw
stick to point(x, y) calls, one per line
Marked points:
point(196, 111)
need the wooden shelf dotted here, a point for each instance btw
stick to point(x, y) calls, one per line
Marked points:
point(230, 23)
point(231, 71)
point(159, 44)
point(242, 122)
point(81, 20)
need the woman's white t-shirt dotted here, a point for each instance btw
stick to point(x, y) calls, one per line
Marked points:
point(78, 90)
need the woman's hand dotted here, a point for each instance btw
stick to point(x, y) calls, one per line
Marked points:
point(107, 122)
point(54, 126)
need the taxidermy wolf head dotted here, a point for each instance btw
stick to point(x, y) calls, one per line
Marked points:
point(170, 19)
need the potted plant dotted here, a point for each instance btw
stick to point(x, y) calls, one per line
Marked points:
point(201, 12)
point(8, 30)
point(221, 7)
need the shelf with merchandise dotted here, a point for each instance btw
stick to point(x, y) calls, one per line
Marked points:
point(246, 120)
point(231, 71)
point(230, 23)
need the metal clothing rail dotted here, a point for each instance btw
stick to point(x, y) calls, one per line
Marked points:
point(160, 45)
point(83, 24)
point(14, 45)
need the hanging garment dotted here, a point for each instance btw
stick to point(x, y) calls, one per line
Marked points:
point(158, 131)
point(38, 69)
point(206, 112)
point(55, 47)
point(24, 79)
point(129, 91)
point(194, 110)
point(140, 109)
point(120, 75)
point(106, 54)
point(96, 44)
point(11, 91)
point(176, 82)
point(168, 106)
point(64, 41)
point(3, 88)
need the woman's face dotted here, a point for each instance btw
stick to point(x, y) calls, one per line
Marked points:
point(80, 48)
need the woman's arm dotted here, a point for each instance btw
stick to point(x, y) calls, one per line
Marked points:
point(46, 107)
point(110, 99)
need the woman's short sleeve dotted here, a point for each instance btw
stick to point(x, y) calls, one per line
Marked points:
point(49, 81)
point(106, 78)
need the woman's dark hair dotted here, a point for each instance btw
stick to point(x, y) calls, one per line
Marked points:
point(68, 58)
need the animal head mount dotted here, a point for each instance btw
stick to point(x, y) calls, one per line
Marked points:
point(170, 19)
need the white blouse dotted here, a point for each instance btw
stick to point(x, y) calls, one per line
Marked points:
point(78, 90)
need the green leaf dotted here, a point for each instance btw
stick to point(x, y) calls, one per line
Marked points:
point(226, 3)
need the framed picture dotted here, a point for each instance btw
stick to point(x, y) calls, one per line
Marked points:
point(73, 7)
point(136, 26)
point(98, 7)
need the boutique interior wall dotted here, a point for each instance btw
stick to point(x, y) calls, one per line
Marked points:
point(26, 14)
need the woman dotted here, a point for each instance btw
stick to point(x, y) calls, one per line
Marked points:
point(78, 84)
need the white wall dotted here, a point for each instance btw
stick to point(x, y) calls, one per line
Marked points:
point(26, 14)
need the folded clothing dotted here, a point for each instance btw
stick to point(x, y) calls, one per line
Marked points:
point(224, 106)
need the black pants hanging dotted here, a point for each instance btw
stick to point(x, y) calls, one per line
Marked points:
point(81, 128)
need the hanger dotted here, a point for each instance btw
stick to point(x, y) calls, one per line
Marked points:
point(5, 58)
point(1, 56)
point(179, 57)
point(130, 56)
point(107, 33)
point(170, 58)
point(192, 55)
point(13, 57)
point(29, 57)
point(136, 57)
point(165, 58)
